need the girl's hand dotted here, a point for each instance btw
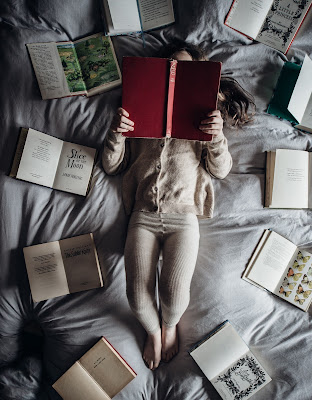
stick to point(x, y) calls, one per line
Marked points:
point(121, 122)
point(213, 125)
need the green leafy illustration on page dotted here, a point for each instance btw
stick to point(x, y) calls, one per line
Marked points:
point(71, 67)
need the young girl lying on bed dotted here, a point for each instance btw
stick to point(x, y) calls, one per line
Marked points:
point(164, 203)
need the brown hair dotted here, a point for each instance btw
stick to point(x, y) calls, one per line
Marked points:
point(237, 106)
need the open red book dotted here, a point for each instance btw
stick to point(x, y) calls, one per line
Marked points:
point(169, 98)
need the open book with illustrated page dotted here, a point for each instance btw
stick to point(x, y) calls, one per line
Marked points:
point(288, 179)
point(127, 16)
point(86, 66)
point(169, 98)
point(98, 375)
point(62, 267)
point(51, 162)
point(292, 97)
point(278, 266)
point(228, 363)
point(274, 23)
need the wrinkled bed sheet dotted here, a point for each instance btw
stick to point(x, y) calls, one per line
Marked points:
point(279, 334)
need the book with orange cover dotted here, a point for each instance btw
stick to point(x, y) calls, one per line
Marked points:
point(169, 98)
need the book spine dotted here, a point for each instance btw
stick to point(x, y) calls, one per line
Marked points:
point(172, 77)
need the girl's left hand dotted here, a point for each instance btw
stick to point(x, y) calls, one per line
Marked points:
point(213, 125)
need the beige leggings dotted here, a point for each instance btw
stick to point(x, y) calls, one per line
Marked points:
point(177, 235)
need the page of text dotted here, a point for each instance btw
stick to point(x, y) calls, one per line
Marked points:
point(74, 168)
point(155, 14)
point(291, 179)
point(247, 16)
point(282, 22)
point(81, 263)
point(48, 69)
point(124, 15)
point(45, 271)
point(272, 261)
point(40, 158)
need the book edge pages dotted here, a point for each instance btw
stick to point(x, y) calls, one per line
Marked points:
point(97, 260)
point(19, 152)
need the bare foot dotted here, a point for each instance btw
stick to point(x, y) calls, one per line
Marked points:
point(169, 342)
point(152, 350)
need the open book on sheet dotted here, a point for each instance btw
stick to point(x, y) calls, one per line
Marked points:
point(288, 179)
point(292, 98)
point(98, 375)
point(52, 162)
point(228, 363)
point(126, 16)
point(62, 267)
point(278, 266)
point(169, 98)
point(87, 66)
point(274, 23)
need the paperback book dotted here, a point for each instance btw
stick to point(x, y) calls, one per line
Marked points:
point(271, 22)
point(127, 16)
point(98, 375)
point(288, 179)
point(227, 362)
point(62, 267)
point(292, 98)
point(52, 162)
point(278, 266)
point(86, 66)
point(169, 98)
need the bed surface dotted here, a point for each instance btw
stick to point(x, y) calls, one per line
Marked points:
point(279, 334)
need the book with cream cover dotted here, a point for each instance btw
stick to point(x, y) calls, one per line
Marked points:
point(87, 66)
point(227, 362)
point(62, 267)
point(278, 266)
point(169, 98)
point(98, 375)
point(52, 162)
point(271, 22)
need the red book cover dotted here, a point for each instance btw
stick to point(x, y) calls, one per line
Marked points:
point(152, 94)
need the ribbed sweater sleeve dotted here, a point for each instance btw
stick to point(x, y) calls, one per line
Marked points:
point(218, 160)
point(116, 153)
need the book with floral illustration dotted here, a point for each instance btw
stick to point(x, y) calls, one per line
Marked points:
point(228, 363)
point(278, 266)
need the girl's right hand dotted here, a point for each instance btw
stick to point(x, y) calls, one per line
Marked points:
point(121, 122)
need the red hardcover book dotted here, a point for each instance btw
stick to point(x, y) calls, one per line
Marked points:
point(169, 98)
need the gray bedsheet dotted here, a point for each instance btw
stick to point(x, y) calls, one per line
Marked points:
point(279, 334)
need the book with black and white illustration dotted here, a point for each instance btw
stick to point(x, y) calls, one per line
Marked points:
point(280, 267)
point(227, 362)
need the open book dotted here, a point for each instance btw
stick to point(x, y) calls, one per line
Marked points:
point(228, 363)
point(292, 98)
point(126, 16)
point(98, 375)
point(62, 267)
point(51, 162)
point(278, 266)
point(274, 23)
point(169, 98)
point(86, 66)
point(288, 179)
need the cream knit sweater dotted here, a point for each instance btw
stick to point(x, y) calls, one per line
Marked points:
point(167, 175)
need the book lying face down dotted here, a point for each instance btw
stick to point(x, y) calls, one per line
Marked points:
point(169, 98)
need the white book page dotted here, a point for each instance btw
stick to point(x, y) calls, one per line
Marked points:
point(247, 16)
point(124, 15)
point(246, 376)
point(46, 272)
point(219, 351)
point(272, 261)
point(302, 92)
point(74, 168)
point(310, 180)
point(155, 14)
point(291, 179)
point(40, 158)
point(48, 69)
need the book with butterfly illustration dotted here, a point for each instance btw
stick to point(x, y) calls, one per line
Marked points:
point(278, 266)
point(229, 364)
point(288, 182)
